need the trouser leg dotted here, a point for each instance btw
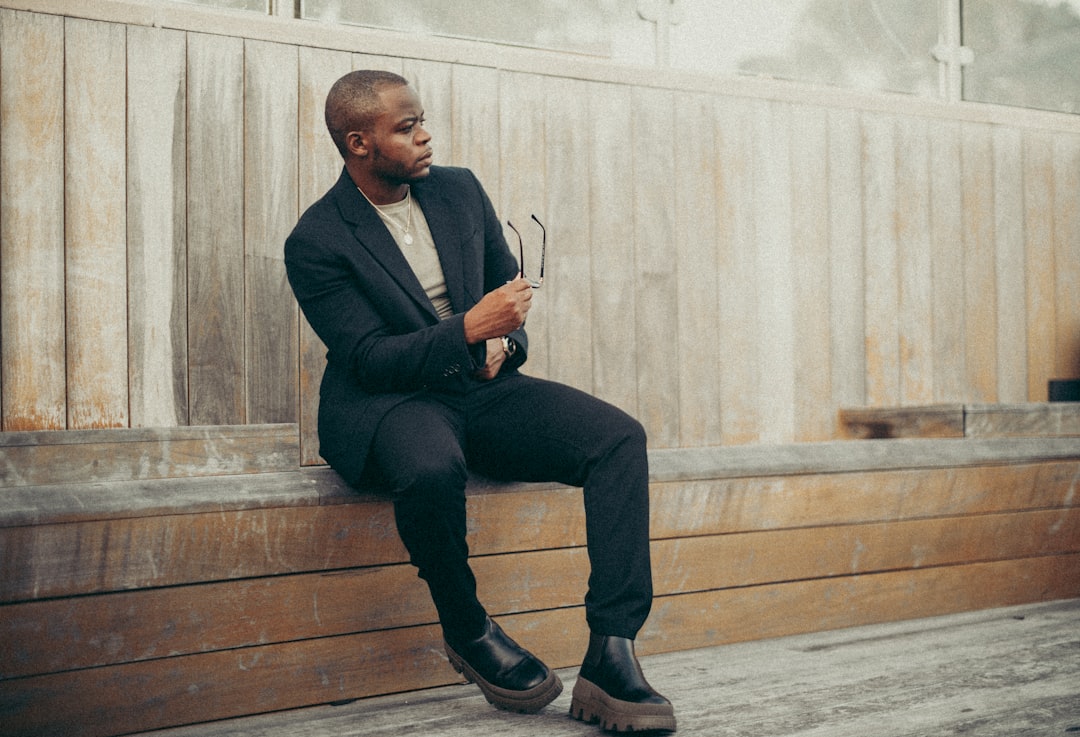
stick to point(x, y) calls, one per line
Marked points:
point(418, 455)
point(533, 430)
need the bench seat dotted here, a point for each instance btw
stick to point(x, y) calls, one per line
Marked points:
point(253, 585)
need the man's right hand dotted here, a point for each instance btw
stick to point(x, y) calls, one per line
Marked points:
point(500, 312)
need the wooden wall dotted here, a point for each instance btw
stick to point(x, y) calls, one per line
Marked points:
point(732, 261)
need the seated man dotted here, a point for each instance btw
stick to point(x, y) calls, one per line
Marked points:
point(403, 271)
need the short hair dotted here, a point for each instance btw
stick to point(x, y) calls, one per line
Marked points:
point(353, 102)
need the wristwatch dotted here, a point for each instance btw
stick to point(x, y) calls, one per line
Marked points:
point(509, 346)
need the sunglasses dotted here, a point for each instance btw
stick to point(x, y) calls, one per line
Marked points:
point(521, 253)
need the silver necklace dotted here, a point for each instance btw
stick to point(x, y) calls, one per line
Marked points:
point(406, 234)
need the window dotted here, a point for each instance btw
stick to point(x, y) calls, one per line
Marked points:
point(1026, 53)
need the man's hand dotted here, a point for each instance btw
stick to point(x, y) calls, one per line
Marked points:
point(496, 356)
point(500, 312)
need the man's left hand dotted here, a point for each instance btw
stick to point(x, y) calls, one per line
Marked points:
point(495, 358)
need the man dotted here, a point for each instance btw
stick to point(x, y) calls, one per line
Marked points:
point(403, 271)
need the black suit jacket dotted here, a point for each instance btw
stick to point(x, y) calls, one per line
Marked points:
point(384, 340)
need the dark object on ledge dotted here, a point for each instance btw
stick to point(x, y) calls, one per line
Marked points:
point(1064, 390)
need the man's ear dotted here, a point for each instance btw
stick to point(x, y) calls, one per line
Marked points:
point(356, 142)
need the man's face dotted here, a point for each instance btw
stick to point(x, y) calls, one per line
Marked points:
point(399, 148)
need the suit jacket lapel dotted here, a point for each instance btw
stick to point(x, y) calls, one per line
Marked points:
point(373, 235)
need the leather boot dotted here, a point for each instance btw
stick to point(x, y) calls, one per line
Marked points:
point(509, 676)
point(611, 690)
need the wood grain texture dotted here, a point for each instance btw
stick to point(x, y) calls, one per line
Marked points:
point(271, 119)
point(157, 227)
point(32, 364)
point(95, 192)
point(216, 371)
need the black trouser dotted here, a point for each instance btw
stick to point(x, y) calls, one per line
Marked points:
point(525, 429)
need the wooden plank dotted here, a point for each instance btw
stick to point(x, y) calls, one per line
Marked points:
point(1009, 262)
point(142, 696)
point(932, 421)
point(521, 192)
point(882, 289)
point(32, 362)
point(475, 135)
point(215, 229)
point(846, 282)
point(270, 210)
point(157, 227)
point(980, 272)
point(700, 353)
point(914, 242)
point(611, 219)
point(774, 337)
point(950, 371)
point(320, 164)
point(1022, 420)
point(569, 329)
point(653, 256)
point(88, 557)
point(95, 267)
point(736, 241)
point(811, 269)
point(1039, 266)
point(72, 457)
point(66, 634)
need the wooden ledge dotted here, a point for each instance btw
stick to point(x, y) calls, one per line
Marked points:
point(1033, 419)
point(59, 503)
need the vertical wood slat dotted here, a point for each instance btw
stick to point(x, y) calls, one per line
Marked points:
point(319, 166)
point(611, 215)
point(520, 191)
point(270, 211)
point(157, 226)
point(568, 289)
point(654, 249)
point(915, 263)
point(736, 236)
point(1009, 263)
point(216, 230)
point(948, 264)
point(32, 364)
point(980, 274)
point(882, 287)
point(700, 353)
point(811, 265)
point(846, 281)
point(1039, 246)
point(772, 213)
point(95, 228)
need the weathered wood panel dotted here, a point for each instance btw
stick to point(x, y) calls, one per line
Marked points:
point(980, 272)
point(157, 227)
point(611, 218)
point(1010, 269)
point(1039, 264)
point(565, 303)
point(811, 266)
point(947, 222)
point(700, 354)
point(65, 634)
point(934, 421)
point(95, 192)
point(271, 120)
point(141, 696)
point(32, 365)
point(216, 371)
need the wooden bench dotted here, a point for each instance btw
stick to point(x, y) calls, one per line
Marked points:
point(160, 577)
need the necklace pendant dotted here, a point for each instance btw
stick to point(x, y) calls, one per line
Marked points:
point(407, 239)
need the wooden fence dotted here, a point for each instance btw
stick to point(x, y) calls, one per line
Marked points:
point(732, 261)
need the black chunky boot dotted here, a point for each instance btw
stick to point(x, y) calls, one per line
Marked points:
point(611, 690)
point(510, 676)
